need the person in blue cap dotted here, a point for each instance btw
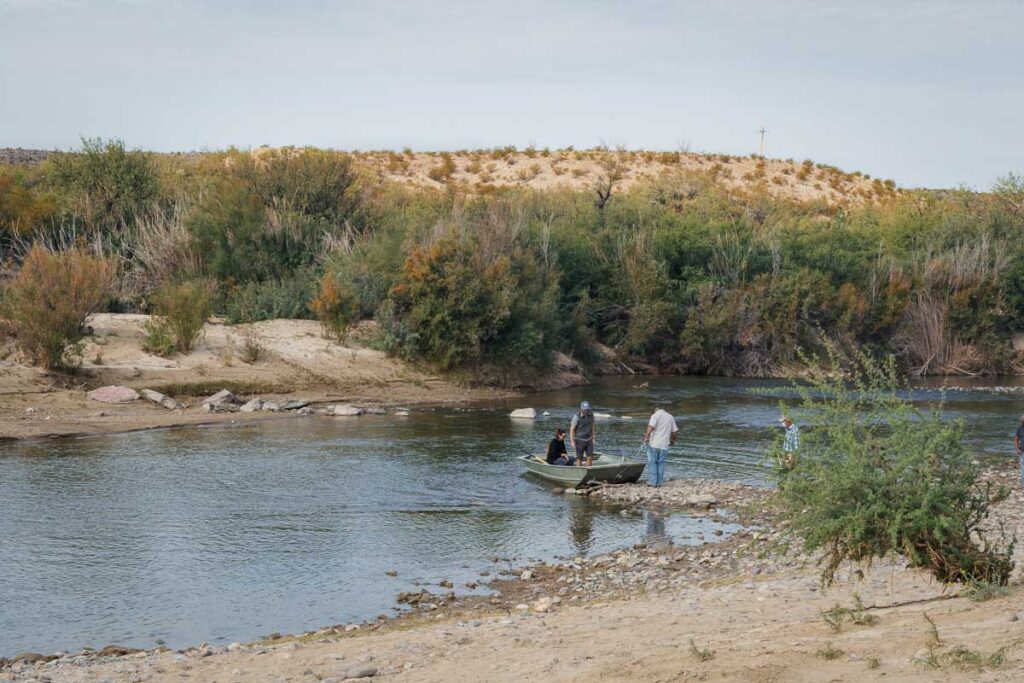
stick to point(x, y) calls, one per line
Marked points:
point(583, 434)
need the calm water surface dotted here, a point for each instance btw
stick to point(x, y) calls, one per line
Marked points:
point(233, 532)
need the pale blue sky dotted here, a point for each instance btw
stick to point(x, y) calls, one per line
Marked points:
point(927, 92)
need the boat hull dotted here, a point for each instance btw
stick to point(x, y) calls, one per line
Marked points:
point(605, 469)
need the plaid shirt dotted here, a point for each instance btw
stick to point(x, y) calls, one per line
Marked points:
point(792, 441)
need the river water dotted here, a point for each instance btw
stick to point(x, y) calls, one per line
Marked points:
point(229, 533)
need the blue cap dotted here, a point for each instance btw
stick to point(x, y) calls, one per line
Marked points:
point(585, 405)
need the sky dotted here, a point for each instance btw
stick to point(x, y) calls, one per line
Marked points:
point(929, 93)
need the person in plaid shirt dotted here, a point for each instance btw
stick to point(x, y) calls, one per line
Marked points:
point(791, 443)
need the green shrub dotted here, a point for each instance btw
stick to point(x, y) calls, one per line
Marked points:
point(459, 304)
point(858, 615)
point(701, 654)
point(314, 183)
point(443, 309)
point(230, 232)
point(159, 338)
point(876, 477)
point(983, 591)
point(272, 299)
point(105, 184)
point(181, 311)
point(46, 304)
point(24, 206)
point(253, 350)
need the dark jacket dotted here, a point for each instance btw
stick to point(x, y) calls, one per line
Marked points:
point(556, 449)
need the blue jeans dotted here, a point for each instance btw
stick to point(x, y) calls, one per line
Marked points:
point(564, 460)
point(656, 465)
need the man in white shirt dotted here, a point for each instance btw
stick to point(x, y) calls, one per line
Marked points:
point(660, 434)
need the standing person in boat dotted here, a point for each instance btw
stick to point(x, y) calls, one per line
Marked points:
point(660, 434)
point(583, 434)
point(556, 450)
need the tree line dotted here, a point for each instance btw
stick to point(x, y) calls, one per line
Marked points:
point(678, 273)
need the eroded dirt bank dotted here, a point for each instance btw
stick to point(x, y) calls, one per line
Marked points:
point(296, 362)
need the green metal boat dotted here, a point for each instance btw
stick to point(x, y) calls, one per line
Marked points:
point(605, 469)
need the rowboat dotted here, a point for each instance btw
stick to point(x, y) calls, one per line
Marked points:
point(605, 469)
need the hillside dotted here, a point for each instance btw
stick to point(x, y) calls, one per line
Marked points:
point(483, 171)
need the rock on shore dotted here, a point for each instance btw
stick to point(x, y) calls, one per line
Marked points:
point(699, 493)
point(114, 394)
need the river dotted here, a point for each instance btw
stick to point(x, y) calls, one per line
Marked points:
point(229, 533)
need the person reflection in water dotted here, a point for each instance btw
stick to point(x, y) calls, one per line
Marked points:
point(557, 455)
point(655, 528)
point(581, 525)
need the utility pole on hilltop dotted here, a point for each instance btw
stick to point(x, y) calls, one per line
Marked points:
point(762, 132)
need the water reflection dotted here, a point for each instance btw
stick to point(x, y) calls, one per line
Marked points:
point(656, 528)
point(581, 526)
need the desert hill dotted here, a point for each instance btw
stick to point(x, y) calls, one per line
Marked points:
point(593, 169)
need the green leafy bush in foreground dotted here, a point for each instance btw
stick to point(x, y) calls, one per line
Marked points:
point(875, 476)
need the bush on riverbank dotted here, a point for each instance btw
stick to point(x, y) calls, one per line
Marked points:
point(181, 311)
point(875, 476)
point(46, 304)
point(680, 271)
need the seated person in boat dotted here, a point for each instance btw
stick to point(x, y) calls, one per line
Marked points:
point(557, 454)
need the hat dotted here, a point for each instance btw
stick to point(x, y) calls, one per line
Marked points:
point(585, 405)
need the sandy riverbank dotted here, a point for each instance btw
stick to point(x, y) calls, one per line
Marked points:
point(297, 363)
point(729, 610)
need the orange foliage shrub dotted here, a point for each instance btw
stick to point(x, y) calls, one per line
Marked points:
point(46, 305)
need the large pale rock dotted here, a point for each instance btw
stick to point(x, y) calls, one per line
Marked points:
point(705, 499)
point(523, 414)
point(294, 405)
point(543, 605)
point(114, 394)
point(221, 398)
point(252, 406)
point(154, 396)
point(346, 411)
point(161, 400)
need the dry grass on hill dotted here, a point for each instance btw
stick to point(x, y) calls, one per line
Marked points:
point(592, 170)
